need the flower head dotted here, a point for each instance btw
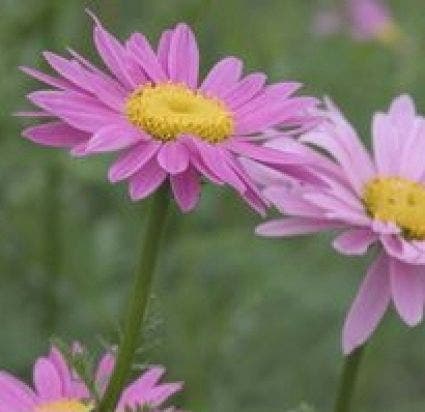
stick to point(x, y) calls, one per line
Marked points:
point(58, 389)
point(167, 125)
point(366, 19)
point(374, 200)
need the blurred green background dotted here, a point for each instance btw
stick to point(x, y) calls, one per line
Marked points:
point(249, 324)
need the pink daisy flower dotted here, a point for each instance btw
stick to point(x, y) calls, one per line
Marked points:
point(166, 125)
point(375, 200)
point(58, 389)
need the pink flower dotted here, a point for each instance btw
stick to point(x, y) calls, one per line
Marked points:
point(165, 123)
point(366, 20)
point(58, 389)
point(377, 200)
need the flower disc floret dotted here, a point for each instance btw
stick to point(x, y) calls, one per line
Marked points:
point(166, 111)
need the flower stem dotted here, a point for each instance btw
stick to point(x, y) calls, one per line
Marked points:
point(138, 300)
point(348, 381)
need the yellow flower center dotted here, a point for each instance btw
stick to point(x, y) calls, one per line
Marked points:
point(400, 201)
point(64, 406)
point(168, 110)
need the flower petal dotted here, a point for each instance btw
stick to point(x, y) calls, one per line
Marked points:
point(355, 241)
point(173, 157)
point(132, 160)
point(224, 75)
point(15, 395)
point(47, 380)
point(55, 134)
point(183, 61)
point(146, 180)
point(407, 290)
point(186, 189)
point(369, 305)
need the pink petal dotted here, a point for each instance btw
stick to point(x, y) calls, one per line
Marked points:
point(245, 90)
point(146, 180)
point(159, 394)
point(293, 226)
point(369, 305)
point(104, 372)
point(186, 189)
point(62, 368)
point(113, 54)
point(355, 242)
point(183, 60)
point(55, 134)
point(164, 49)
point(407, 290)
point(114, 137)
point(385, 145)
point(139, 46)
point(173, 157)
point(15, 395)
point(223, 76)
point(131, 161)
point(47, 381)
point(69, 69)
point(45, 78)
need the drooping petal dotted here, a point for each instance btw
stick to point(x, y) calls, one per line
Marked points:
point(146, 180)
point(183, 60)
point(369, 305)
point(132, 160)
point(104, 372)
point(355, 241)
point(173, 157)
point(407, 290)
point(186, 189)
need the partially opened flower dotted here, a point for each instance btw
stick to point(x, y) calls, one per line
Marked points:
point(58, 389)
point(166, 124)
point(377, 200)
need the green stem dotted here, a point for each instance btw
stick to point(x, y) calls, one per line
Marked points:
point(348, 381)
point(138, 301)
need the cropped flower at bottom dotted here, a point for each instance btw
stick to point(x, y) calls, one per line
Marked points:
point(379, 201)
point(58, 389)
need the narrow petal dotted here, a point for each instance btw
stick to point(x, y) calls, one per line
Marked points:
point(355, 242)
point(113, 54)
point(62, 369)
point(147, 180)
point(186, 189)
point(293, 226)
point(47, 79)
point(369, 305)
point(131, 161)
point(158, 395)
point(163, 50)
point(407, 290)
point(140, 48)
point(55, 134)
point(173, 157)
point(385, 144)
point(223, 76)
point(114, 137)
point(183, 60)
point(245, 90)
point(47, 380)
point(104, 372)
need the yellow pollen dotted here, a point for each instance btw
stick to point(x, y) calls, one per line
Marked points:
point(400, 201)
point(64, 406)
point(168, 110)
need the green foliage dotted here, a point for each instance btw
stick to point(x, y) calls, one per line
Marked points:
point(249, 324)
